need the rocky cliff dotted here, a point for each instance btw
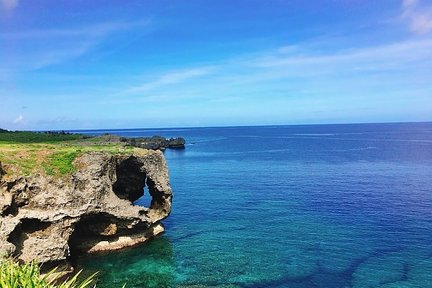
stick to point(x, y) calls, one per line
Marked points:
point(53, 219)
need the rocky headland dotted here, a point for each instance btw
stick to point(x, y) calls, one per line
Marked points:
point(155, 142)
point(52, 217)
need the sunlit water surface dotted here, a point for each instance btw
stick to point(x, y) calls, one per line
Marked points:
point(289, 206)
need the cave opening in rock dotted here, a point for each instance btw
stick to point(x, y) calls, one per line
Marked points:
point(22, 231)
point(144, 200)
point(133, 184)
point(157, 200)
point(130, 181)
point(91, 229)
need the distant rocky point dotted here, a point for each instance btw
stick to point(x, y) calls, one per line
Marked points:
point(155, 142)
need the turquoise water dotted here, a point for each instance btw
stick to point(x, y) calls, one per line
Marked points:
point(289, 206)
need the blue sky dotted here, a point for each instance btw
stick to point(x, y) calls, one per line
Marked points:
point(124, 64)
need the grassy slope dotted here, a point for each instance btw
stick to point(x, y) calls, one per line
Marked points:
point(25, 153)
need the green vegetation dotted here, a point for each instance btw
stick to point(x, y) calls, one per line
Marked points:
point(60, 163)
point(26, 153)
point(14, 275)
point(37, 137)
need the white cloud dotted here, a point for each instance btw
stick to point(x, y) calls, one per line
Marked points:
point(9, 5)
point(171, 78)
point(290, 72)
point(95, 30)
point(19, 119)
point(418, 14)
point(391, 54)
point(290, 76)
point(288, 62)
point(53, 46)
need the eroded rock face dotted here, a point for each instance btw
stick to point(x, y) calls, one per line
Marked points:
point(51, 220)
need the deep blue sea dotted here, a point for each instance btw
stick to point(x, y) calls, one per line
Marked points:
point(289, 206)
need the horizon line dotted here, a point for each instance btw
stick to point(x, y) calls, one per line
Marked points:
point(232, 126)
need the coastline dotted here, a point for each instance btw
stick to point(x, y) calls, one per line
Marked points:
point(59, 199)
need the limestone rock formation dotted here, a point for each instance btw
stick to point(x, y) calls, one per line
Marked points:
point(52, 220)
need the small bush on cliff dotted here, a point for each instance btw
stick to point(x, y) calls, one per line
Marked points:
point(14, 275)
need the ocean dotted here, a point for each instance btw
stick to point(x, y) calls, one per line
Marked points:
point(288, 206)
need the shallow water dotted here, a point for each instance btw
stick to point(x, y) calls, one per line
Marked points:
point(289, 206)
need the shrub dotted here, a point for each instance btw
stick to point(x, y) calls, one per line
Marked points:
point(14, 275)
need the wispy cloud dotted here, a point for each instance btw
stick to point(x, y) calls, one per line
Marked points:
point(53, 46)
point(288, 77)
point(418, 14)
point(372, 57)
point(95, 30)
point(19, 119)
point(41, 59)
point(272, 84)
point(9, 5)
point(171, 78)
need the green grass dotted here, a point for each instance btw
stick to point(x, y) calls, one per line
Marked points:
point(14, 275)
point(54, 159)
point(27, 153)
point(61, 163)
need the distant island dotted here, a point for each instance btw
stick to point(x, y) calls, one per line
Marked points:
point(64, 194)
